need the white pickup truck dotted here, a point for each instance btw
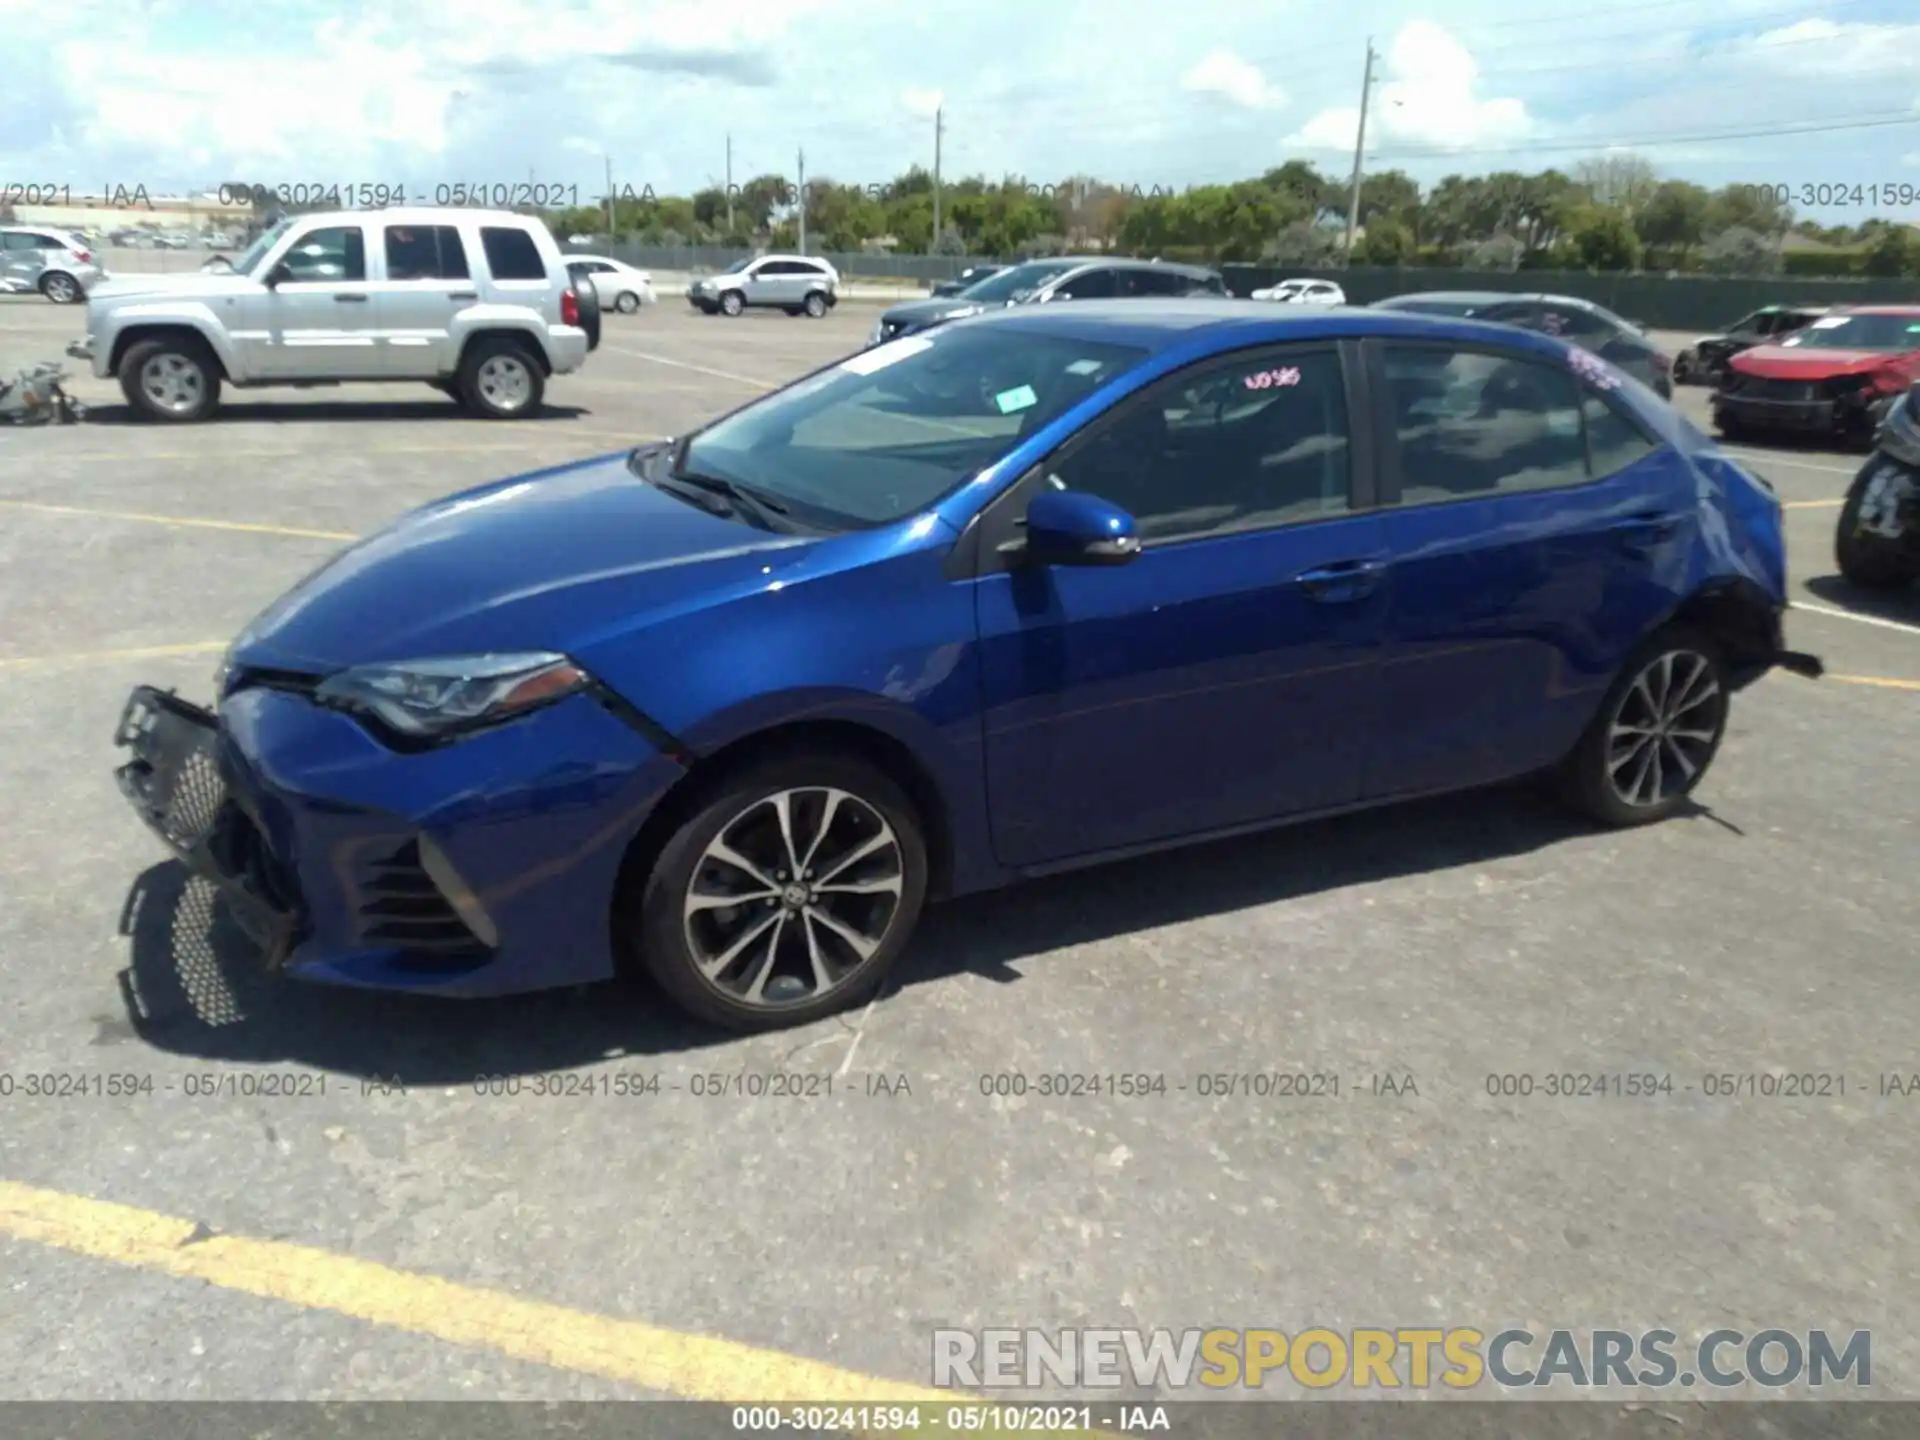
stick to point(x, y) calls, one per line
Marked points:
point(477, 303)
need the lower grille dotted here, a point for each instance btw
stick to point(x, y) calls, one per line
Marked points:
point(400, 907)
point(1758, 387)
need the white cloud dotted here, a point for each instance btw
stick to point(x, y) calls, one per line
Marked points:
point(921, 102)
point(1225, 74)
point(1429, 99)
point(1854, 52)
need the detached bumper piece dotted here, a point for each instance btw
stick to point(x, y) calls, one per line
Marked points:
point(175, 784)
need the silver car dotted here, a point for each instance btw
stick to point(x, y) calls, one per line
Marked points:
point(53, 262)
point(797, 284)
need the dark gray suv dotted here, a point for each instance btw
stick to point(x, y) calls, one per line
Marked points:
point(1040, 282)
point(1580, 322)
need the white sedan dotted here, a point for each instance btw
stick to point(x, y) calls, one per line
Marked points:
point(617, 283)
point(1303, 292)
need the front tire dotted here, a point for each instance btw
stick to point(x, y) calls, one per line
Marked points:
point(627, 303)
point(732, 303)
point(1870, 561)
point(816, 306)
point(1656, 733)
point(786, 896)
point(61, 288)
point(175, 380)
point(499, 380)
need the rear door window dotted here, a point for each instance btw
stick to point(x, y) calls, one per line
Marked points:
point(1472, 424)
point(511, 253)
point(425, 252)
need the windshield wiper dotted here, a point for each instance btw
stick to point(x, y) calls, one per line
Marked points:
point(744, 497)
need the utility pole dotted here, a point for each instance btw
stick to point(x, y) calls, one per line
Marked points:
point(939, 117)
point(610, 234)
point(729, 186)
point(803, 202)
point(1359, 152)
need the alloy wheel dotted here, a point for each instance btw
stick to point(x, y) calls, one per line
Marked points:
point(62, 289)
point(1664, 728)
point(173, 382)
point(504, 382)
point(793, 897)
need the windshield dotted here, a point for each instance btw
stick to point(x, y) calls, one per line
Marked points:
point(737, 266)
point(1009, 283)
point(1860, 332)
point(893, 429)
point(247, 259)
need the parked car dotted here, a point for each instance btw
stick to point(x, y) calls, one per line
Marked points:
point(797, 284)
point(1303, 292)
point(729, 709)
point(1703, 361)
point(1590, 326)
point(476, 303)
point(57, 264)
point(618, 284)
point(965, 280)
point(1040, 282)
point(1834, 379)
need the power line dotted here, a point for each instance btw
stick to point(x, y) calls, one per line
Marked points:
point(1654, 139)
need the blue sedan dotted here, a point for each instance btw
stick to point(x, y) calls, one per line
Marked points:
point(1024, 593)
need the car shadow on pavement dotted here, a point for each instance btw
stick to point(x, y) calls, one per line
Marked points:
point(279, 412)
point(196, 986)
point(987, 934)
point(1899, 605)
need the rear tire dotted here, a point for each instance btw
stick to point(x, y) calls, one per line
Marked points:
point(501, 380)
point(757, 964)
point(174, 379)
point(732, 303)
point(1656, 732)
point(627, 303)
point(1872, 562)
point(816, 305)
point(61, 288)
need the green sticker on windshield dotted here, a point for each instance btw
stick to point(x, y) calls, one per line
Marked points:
point(1018, 398)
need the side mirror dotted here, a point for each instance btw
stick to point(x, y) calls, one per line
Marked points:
point(1071, 527)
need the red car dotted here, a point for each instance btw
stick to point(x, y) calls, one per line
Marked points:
point(1834, 379)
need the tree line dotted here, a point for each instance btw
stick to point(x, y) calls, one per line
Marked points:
point(1611, 213)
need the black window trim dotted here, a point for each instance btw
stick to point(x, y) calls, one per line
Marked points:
point(977, 554)
point(1386, 434)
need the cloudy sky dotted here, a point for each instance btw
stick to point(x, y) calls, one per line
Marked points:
point(171, 93)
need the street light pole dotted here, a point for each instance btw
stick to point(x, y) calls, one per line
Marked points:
point(1359, 151)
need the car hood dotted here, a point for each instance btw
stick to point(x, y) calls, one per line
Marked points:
point(1805, 362)
point(931, 311)
point(556, 560)
point(200, 284)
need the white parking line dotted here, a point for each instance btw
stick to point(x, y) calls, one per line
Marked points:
point(732, 375)
point(1774, 457)
point(1874, 620)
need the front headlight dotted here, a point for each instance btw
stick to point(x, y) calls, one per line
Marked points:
point(432, 699)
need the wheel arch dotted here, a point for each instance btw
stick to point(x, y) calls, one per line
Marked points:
point(514, 335)
point(144, 330)
point(887, 753)
point(1738, 616)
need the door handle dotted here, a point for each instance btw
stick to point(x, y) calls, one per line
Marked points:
point(1345, 580)
point(463, 294)
point(349, 299)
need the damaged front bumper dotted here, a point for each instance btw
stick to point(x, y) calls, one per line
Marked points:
point(176, 781)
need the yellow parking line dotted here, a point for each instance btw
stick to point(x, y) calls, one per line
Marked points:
point(1887, 682)
point(692, 1367)
point(89, 657)
point(1813, 504)
point(184, 521)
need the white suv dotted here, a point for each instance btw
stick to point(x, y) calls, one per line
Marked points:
point(797, 284)
point(477, 303)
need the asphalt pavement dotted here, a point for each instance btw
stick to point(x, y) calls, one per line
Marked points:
point(290, 1193)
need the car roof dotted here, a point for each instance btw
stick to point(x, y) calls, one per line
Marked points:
point(1155, 325)
point(1876, 309)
